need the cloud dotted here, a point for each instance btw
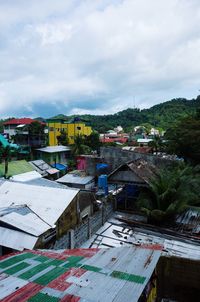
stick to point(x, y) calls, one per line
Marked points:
point(96, 56)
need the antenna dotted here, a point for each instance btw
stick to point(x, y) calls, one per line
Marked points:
point(133, 102)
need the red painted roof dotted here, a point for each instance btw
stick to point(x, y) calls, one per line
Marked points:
point(20, 121)
point(115, 139)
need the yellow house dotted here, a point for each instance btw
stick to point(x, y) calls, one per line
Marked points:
point(72, 129)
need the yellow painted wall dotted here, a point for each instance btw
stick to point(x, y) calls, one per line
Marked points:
point(72, 130)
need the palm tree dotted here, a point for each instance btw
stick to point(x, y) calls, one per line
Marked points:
point(156, 144)
point(171, 192)
point(79, 146)
point(5, 154)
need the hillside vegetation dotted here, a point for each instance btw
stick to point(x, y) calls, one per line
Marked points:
point(162, 115)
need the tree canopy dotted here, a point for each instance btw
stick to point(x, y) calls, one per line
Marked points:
point(183, 139)
point(172, 191)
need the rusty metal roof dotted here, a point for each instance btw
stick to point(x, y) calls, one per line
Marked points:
point(117, 274)
point(144, 171)
point(115, 234)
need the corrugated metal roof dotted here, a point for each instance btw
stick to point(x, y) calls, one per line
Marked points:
point(113, 235)
point(118, 274)
point(43, 182)
point(23, 177)
point(42, 167)
point(75, 179)
point(53, 149)
point(48, 203)
point(16, 240)
point(24, 219)
point(189, 221)
point(144, 140)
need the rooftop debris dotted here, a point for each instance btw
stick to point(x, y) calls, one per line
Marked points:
point(116, 233)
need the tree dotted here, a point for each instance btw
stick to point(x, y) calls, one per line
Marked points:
point(184, 139)
point(62, 138)
point(5, 155)
point(172, 191)
point(92, 141)
point(79, 146)
point(156, 144)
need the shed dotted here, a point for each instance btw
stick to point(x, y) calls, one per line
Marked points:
point(77, 179)
point(54, 154)
point(138, 172)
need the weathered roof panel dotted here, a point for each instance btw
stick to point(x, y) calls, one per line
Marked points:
point(48, 203)
point(16, 240)
point(28, 222)
point(23, 177)
point(53, 149)
point(75, 179)
point(118, 274)
point(113, 235)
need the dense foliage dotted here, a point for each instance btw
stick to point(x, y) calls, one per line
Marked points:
point(172, 191)
point(160, 116)
point(183, 139)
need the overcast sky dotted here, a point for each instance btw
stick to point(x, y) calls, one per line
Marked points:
point(96, 56)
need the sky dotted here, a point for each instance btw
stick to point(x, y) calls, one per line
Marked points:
point(96, 56)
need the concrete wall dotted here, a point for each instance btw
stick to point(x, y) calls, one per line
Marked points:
point(81, 233)
point(115, 156)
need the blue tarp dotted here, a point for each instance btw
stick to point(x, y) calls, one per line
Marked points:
point(60, 167)
point(101, 166)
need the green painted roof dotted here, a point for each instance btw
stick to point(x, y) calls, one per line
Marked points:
point(16, 167)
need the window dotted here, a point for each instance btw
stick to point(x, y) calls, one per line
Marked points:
point(78, 128)
point(51, 129)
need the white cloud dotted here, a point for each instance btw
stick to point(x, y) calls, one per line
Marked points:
point(96, 56)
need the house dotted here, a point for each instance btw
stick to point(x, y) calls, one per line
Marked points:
point(20, 128)
point(130, 177)
point(105, 275)
point(71, 129)
point(31, 216)
point(144, 141)
point(112, 136)
point(138, 172)
point(11, 126)
point(78, 179)
point(89, 163)
point(55, 156)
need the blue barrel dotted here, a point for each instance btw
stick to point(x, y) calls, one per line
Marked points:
point(102, 181)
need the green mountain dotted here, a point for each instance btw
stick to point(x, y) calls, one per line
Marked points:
point(161, 116)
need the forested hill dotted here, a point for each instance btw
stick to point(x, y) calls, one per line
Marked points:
point(162, 115)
